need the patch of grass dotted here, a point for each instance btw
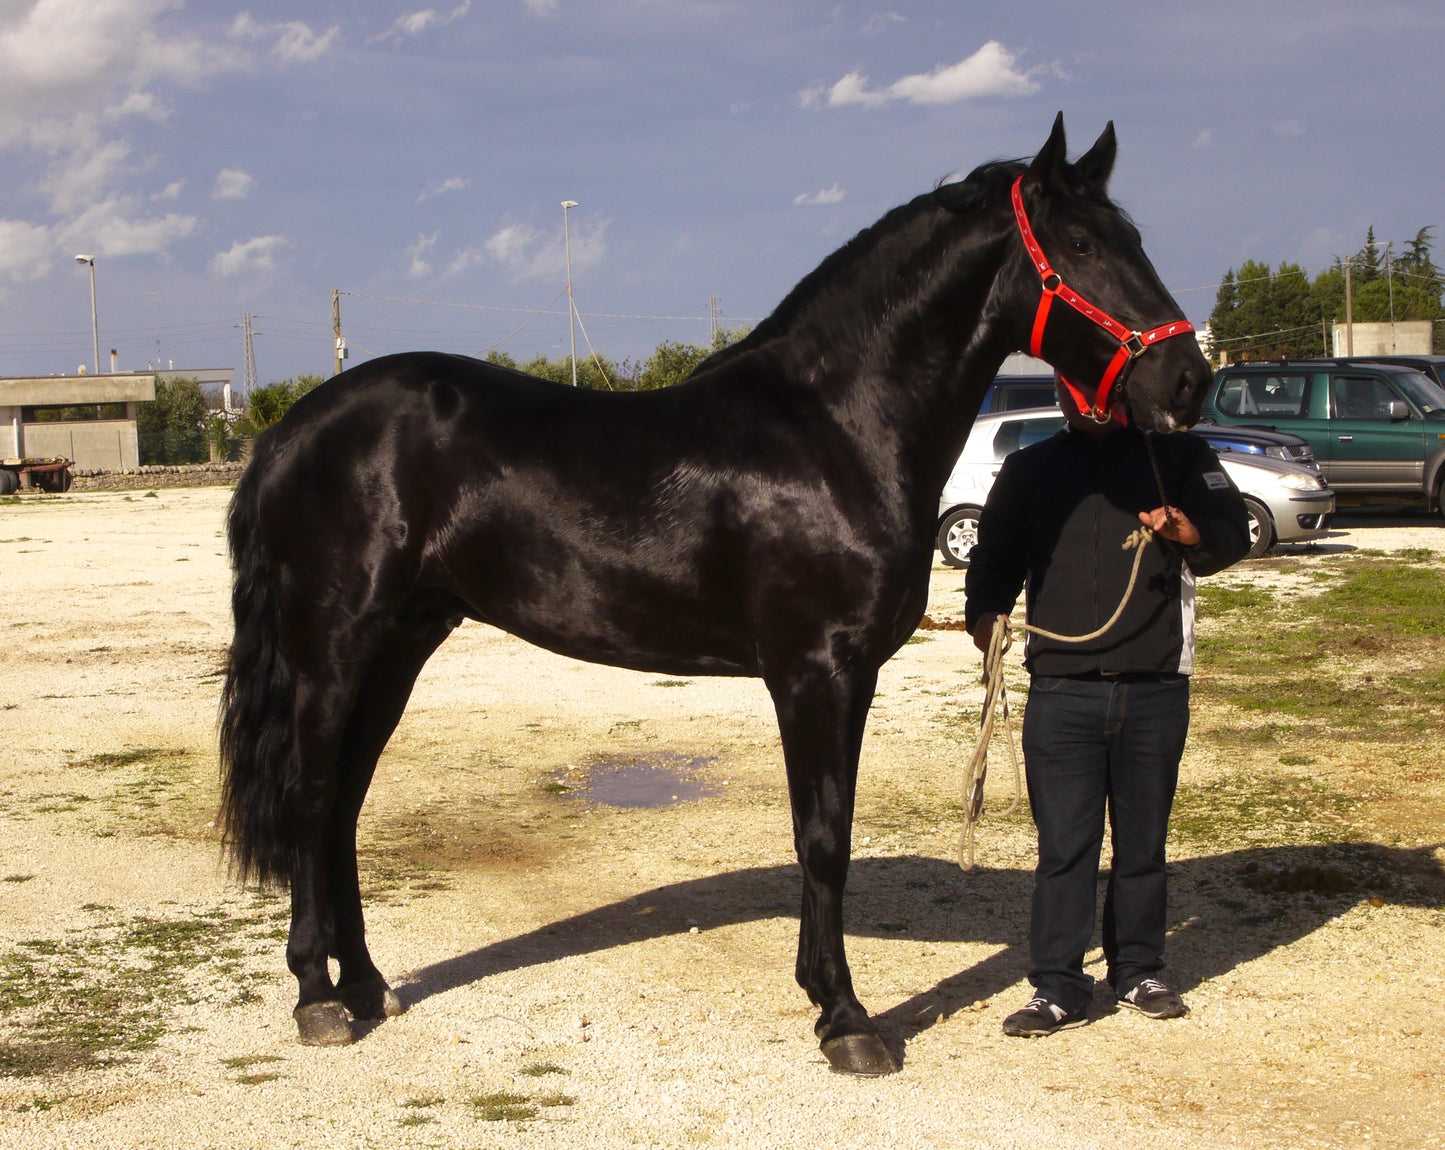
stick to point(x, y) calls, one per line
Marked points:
point(1215, 599)
point(415, 1120)
point(541, 1069)
point(917, 638)
point(17, 878)
point(1260, 808)
point(1326, 660)
point(556, 1099)
point(424, 1102)
point(126, 758)
point(99, 996)
point(246, 1061)
point(503, 1106)
point(257, 1079)
point(40, 1105)
point(672, 682)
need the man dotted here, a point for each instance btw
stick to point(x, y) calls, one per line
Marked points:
point(1106, 720)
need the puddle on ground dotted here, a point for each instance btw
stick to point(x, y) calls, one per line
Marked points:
point(660, 779)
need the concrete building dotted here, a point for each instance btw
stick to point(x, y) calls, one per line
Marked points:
point(88, 419)
point(1408, 337)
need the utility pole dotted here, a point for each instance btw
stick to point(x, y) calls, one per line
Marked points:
point(712, 302)
point(1349, 312)
point(1390, 280)
point(248, 359)
point(338, 342)
point(567, 206)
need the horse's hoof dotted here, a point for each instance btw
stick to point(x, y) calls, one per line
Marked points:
point(371, 1000)
point(863, 1055)
point(323, 1024)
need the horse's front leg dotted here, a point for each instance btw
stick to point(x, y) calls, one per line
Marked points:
point(821, 715)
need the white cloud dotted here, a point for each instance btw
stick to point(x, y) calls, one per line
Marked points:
point(25, 250)
point(415, 23)
point(1204, 139)
point(110, 228)
point(991, 71)
point(879, 21)
point(833, 195)
point(416, 252)
point(171, 191)
point(257, 254)
point(540, 7)
point(529, 253)
point(1289, 128)
point(81, 177)
point(441, 188)
point(233, 184)
point(65, 64)
point(295, 42)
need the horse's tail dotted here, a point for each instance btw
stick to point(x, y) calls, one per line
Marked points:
point(256, 703)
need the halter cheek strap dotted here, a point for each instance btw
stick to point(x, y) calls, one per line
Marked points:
point(1132, 344)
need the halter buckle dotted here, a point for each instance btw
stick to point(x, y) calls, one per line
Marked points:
point(1053, 281)
point(1134, 344)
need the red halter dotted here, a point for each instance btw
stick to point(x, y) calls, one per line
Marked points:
point(1132, 344)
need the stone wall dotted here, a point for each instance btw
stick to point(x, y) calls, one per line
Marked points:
point(146, 478)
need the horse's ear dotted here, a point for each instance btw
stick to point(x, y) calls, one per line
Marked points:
point(1049, 164)
point(1095, 165)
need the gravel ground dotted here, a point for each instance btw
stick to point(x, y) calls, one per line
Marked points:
point(585, 975)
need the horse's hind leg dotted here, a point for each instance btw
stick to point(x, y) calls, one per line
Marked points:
point(338, 739)
point(379, 705)
point(821, 716)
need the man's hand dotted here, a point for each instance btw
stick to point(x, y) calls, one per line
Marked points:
point(983, 631)
point(1171, 523)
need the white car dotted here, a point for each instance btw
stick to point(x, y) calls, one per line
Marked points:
point(1287, 503)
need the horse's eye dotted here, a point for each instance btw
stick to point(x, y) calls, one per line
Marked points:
point(1081, 247)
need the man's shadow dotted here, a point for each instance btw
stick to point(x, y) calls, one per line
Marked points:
point(1230, 909)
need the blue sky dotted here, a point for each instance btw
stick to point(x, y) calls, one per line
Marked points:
point(223, 159)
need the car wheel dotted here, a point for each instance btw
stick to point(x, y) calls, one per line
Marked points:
point(1261, 528)
point(957, 534)
point(9, 481)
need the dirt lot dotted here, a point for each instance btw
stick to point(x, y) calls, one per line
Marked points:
point(582, 974)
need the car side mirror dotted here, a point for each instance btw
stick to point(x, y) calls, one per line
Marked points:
point(1399, 411)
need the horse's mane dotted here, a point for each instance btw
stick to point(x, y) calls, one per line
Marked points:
point(980, 189)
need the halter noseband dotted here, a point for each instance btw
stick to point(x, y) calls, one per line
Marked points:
point(1132, 344)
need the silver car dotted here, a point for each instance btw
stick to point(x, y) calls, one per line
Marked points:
point(1287, 503)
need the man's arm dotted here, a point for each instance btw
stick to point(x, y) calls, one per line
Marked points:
point(998, 564)
point(1213, 508)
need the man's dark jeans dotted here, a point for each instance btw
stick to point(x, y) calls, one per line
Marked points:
point(1089, 743)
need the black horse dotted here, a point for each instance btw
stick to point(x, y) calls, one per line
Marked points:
point(771, 516)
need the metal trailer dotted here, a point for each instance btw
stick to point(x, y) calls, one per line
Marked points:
point(35, 474)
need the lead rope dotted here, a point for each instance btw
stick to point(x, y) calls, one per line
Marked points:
point(996, 693)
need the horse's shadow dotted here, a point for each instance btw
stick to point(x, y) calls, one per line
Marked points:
point(1230, 909)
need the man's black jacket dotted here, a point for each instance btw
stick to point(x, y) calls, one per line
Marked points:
point(1058, 515)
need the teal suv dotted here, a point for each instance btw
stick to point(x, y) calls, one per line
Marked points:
point(1377, 429)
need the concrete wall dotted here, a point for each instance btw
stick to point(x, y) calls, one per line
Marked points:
point(1409, 337)
point(102, 443)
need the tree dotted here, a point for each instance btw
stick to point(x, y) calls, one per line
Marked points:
point(670, 362)
point(1260, 314)
point(268, 405)
point(171, 428)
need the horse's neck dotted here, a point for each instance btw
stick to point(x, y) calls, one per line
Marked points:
point(905, 360)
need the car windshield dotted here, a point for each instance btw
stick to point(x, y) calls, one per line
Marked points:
point(1422, 391)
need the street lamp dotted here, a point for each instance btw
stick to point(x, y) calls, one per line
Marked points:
point(94, 325)
point(567, 206)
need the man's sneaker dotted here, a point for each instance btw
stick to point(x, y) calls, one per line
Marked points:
point(1040, 1018)
point(1155, 999)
